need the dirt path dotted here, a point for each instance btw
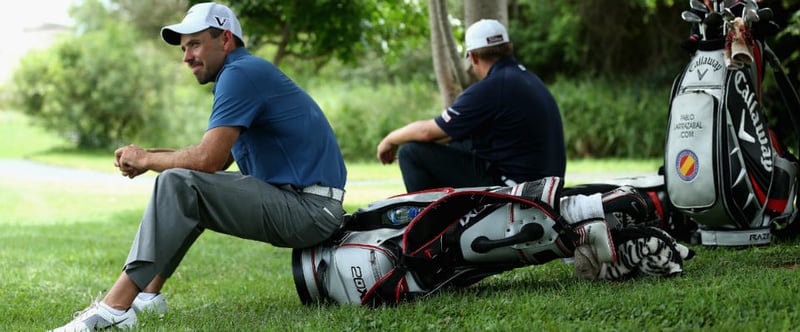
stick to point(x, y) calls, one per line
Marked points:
point(18, 170)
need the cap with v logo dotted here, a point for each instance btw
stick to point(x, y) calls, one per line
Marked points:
point(200, 17)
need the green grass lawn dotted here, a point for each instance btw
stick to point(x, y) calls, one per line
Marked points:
point(62, 245)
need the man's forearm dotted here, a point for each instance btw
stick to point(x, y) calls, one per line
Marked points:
point(190, 157)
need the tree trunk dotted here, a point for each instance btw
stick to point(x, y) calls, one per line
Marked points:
point(475, 10)
point(448, 88)
point(457, 62)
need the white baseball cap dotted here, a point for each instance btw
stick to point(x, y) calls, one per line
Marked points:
point(485, 33)
point(200, 17)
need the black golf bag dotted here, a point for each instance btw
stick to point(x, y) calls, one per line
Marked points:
point(726, 165)
point(457, 237)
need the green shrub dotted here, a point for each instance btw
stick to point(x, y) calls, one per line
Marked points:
point(603, 117)
point(96, 89)
point(608, 117)
point(362, 115)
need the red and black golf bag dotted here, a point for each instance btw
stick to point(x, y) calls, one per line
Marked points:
point(457, 237)
point(725, 165)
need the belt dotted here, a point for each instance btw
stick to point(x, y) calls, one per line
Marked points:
point(330, 192)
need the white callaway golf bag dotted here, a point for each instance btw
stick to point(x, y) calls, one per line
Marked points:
point(460, 236)
point(725, 166)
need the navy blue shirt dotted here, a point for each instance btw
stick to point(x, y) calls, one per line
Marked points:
point(513, 122)
point(285, 136)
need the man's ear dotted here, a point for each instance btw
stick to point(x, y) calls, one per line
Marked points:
point(230, 42)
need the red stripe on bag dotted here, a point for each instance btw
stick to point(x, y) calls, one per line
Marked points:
point(658, 206)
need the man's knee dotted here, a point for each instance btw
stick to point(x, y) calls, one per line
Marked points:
point(174, 172)
point(174, 180)
point(412, 150)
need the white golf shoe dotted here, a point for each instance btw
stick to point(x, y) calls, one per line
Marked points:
point(98, 317)
point(155, 305)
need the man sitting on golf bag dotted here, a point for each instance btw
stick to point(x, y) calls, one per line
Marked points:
point(460, 236)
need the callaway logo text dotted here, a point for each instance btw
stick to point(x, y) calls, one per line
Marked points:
point(704, 60)
point(749, 97)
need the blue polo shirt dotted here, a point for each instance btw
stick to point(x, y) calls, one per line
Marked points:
point(285, 138)
point(513, 122)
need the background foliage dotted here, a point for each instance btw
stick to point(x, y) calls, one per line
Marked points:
point(87, 89)
point(368, 63)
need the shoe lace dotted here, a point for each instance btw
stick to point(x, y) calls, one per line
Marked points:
point(86, 312)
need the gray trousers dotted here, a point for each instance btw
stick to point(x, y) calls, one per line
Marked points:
point(185, 203)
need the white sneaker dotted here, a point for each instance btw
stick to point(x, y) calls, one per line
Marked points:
point(597, 236)
point(97, 317)
point(155, 305)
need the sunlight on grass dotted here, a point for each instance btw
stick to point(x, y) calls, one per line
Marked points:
point(32, 202)
point(22, 138)
point(613, 165)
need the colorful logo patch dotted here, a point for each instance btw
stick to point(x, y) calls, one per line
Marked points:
point(687, 165)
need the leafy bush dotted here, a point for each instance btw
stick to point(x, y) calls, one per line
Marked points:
point(603, 117)
point(362, 115)
point(578, 37)
point(95, 89)
point(612, 117)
